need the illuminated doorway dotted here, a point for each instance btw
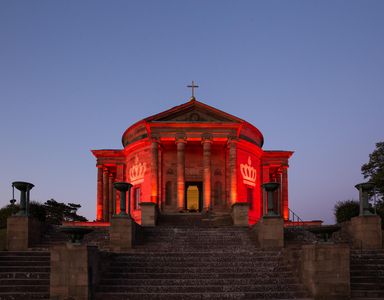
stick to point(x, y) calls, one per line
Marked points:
point(193, 196)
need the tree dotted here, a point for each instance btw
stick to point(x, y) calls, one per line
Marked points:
point(57, 212)
point(51, 212)
point(374, 169)
point(345, 210)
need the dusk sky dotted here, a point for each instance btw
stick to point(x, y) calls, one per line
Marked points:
point(75, 74)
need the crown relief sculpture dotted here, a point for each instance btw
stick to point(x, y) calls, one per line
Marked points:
point(137, 171)
point(248, 172)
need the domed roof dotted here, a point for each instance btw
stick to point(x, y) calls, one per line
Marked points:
point(193, 114)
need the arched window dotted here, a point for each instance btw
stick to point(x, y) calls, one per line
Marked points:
point(168, 193)
point(217, 191)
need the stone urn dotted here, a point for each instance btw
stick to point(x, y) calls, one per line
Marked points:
point(24, 188)
point(76, 234)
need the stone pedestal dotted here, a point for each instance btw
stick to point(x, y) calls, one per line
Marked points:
point(74, 271)
point(22, 232)
point(325, 271)
point(148, 214)
point(366, 232)
point(121, 234)
point(240, 214)
point(270, 232)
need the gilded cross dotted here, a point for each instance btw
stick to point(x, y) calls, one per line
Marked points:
point(193, 86)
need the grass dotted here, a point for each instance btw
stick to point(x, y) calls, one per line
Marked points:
point(3, 238)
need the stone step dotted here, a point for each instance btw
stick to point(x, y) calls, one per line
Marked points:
point(276, 295)
point(24, 288)
point(24, 275)
point(28, 263)
point(23, 296)
point(197, 288)
point(256, 274)
point(181, 269)
point(23, 253)
point(198, 264)
point(202, 259)
point(25, 281)
point(13, 269)
point(367, 279)
point(367, 294)
point(373, 286)
point(198, 281)
point(366, 266)
point(24, 258)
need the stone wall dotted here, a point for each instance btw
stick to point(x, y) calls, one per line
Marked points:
point(325, 271)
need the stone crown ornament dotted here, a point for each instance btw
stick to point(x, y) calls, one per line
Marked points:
point(248, 172)
point(137, 171)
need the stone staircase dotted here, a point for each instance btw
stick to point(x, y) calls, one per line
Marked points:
point(367, 274)
point(24, 275)
point(188, 257)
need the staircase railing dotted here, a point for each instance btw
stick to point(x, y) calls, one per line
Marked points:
point(295, 219)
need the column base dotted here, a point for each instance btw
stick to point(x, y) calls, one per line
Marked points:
point(366, 232)
point(22, 233)
point(148, 214)
point(122, 234)
point(270, 232)
point(240, 214)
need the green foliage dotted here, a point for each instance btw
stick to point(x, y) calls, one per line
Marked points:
point(57, 212)
point(345, 210)
point(51, 212)
point(6, 212)
point(374, 169)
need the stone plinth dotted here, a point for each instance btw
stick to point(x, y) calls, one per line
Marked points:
point(325, 271)
point(22, 232)
point(270, 232)
point(74, 270)
point(121, 234)
point(240, 214)
point(148, 214)
point(366, 232)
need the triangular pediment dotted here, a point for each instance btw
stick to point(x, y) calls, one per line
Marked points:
point(194, 111)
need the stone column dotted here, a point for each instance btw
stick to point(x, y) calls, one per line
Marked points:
point(154, 171)
point(284, 193)
point(111, 179)
point(207, 141)
point(180, 142)
point(105, 195)
point(232, 170)
point(119, 178)
point(99, 207)
point(265, 179)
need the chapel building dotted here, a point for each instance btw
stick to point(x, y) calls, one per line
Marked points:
point(191, 158)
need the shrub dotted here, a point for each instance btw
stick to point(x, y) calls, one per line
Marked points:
point(345, 210)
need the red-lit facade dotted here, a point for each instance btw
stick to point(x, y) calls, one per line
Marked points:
point(190, 158)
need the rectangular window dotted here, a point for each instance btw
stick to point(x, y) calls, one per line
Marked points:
point(136, 198)
point(250, 198)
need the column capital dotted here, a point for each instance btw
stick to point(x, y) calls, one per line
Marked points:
point(206, 138)
point(181, 138)
point(232, 139)
point(155, 138)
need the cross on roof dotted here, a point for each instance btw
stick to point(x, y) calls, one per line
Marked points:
point(193, 86)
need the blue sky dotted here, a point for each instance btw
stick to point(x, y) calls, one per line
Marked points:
point(75, 74)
